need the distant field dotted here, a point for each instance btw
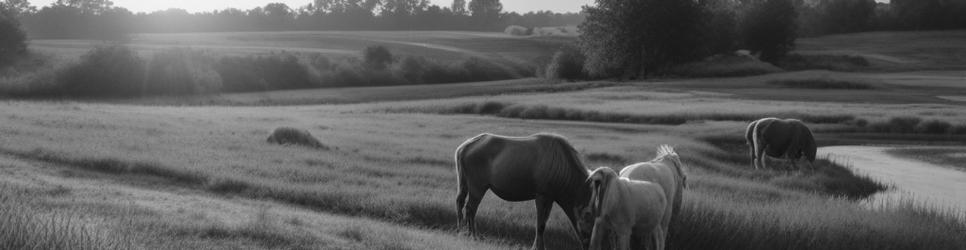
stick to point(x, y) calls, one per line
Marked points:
point(895, 51)
point(442, 45)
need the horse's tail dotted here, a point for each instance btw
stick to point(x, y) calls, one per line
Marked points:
point(462, 188)
point(810, 147)
point(756, 143)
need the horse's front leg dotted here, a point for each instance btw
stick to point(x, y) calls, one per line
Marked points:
point(623, 237)
point(597, 237)
point(543, 213)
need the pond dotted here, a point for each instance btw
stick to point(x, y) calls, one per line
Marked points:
point(925, 183)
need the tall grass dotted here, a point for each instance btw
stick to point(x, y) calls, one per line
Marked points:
point(24, 227)
point(711, 221)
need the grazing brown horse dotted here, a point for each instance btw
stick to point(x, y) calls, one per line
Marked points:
point(541, 167)
point(789, 139)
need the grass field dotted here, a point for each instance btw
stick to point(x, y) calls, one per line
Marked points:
point(441, 45)
point(197, 173)
point(894, 51)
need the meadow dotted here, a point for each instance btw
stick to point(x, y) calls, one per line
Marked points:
point(196, 172)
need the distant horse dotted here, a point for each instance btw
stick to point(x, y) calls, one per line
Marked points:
point(789, 139)
point(667, 170)
point(541, 167)
point(626, 210)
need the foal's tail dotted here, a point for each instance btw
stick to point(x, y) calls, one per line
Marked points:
point(462, 189)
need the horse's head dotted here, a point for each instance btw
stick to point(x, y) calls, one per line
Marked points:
point(587, 210)
point(599, 182)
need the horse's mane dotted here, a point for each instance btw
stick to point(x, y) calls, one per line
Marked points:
point(666, 152)
point(571, 155)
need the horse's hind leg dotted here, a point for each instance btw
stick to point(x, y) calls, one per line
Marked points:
point(472, 203)
point(754, 162)
point(761, 159)
point(460, 203)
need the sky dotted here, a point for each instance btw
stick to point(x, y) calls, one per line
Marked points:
point(208, 5)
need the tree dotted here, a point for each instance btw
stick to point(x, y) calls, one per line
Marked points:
point(459, 7)
point(95, 7)
point(19, 6)
point(844, 16)
point(403, 7)
point(277, 10)
point(485, 12)
point(13, 40)
point(636, 38)
point(768, 28)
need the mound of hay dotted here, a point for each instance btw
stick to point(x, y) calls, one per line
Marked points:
point(294, 136)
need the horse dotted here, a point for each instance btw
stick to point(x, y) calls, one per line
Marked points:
point(626, 210)
point(542, 167)
point(666, 170)
point(788, 138)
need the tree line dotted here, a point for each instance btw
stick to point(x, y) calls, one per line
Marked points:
point(821, 17)
point(100, 19)
point(631, 39)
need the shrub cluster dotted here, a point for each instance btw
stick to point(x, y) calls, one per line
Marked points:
point(117, 71)
point(112, 71)
point(914, 125)
point(181, 72)
point(566, 64)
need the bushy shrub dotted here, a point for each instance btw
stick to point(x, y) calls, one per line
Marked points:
point(958, 129)
point(181, 72)
point(13, 40)
point(933, 127)
point(264, 72)
point(903, 124)
point(111, 71)
point(377, 57)
point(566, 64)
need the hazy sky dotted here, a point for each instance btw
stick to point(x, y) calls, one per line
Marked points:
point(208, 5)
